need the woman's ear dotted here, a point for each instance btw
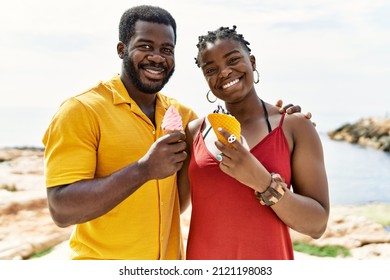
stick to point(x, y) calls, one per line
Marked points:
point(253, 62)
point(121, 49)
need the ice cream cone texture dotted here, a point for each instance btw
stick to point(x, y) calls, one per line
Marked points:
point(227, 122)
point(172, 121)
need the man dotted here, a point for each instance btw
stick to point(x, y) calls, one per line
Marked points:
point(108, 170)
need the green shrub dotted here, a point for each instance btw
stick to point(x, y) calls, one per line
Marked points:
point(321, 251)
point(41, 253)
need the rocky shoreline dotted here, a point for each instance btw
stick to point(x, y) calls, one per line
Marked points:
point(26, 227)
point(25, 223)
point(369, 132)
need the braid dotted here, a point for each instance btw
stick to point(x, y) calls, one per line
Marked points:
point(221, 33)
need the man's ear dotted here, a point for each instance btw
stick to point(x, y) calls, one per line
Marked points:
point(121, 49)
point(253, 61)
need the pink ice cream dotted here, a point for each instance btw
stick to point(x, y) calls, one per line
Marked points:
point(172, 121)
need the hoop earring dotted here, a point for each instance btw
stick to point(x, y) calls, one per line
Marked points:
point(208, 98)
point(258, 77)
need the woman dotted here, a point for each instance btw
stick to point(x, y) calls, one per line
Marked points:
point(246, 196)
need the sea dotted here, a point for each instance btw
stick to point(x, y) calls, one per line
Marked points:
point(356, 174)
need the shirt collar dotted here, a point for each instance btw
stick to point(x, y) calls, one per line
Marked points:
point(120, 94)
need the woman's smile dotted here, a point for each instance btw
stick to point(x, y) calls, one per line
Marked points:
point(230, 84)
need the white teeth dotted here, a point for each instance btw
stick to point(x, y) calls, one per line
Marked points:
point(230, 84)
point(154, 71)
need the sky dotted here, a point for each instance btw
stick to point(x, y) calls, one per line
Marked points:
point(327, 55)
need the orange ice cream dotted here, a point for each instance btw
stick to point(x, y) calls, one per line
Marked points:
point(227, 122)
point(172, 121)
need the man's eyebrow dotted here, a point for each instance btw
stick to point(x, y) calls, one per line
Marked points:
point(151, 42)
point(144, 40)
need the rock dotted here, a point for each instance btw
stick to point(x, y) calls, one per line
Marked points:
point(26, 226)
point(352, 232)
point(355, 228)
point(372, 251)
point(370, 132)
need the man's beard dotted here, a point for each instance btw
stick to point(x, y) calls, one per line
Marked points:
point(134, 76)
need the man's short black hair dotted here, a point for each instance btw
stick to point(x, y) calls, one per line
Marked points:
point(145, 13)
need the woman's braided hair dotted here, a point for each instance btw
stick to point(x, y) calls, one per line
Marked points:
point(221, 33)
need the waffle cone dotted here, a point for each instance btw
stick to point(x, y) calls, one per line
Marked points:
point(227, 122)
point(169, 131)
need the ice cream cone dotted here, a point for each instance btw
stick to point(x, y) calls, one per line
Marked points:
point(227, 122)
point(172, 121)
point(169, 131)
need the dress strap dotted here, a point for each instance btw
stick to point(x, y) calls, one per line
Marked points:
point(282, 119)
point(266, 116)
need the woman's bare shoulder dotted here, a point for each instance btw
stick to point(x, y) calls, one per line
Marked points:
point(298, 119)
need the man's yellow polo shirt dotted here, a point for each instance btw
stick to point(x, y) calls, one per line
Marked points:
point(95, 134)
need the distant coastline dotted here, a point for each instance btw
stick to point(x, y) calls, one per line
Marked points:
point(369, 132)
